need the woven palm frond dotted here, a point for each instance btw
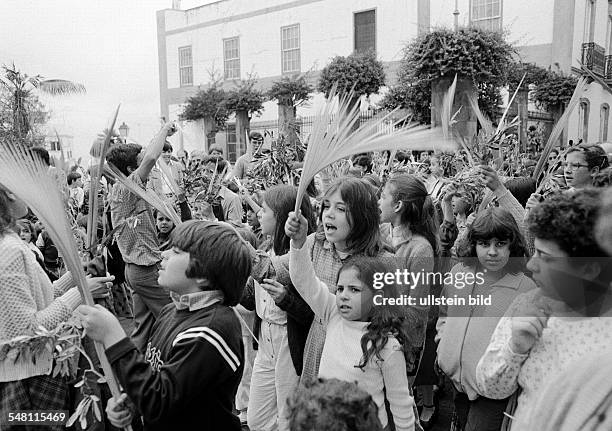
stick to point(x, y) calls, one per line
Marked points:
point(147, 195)
point(26, 176)
point(336, 136)
point(560, 126)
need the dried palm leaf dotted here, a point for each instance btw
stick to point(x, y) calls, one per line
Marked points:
point(28, 178)
point(335, 137)
point(447, 108)
point(169, 178)
point(501, 122)
point(486, 124)
point(94, 184)
point(560, 126)
point(147, 195)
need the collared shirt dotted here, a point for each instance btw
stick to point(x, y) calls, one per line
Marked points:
point(231, 204)
point(137, 236)
point(196, 301)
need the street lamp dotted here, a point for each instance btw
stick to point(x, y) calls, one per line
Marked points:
point(123, 131)
point(456, 13)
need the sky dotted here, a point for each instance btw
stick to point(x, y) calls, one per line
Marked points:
point(110, 46)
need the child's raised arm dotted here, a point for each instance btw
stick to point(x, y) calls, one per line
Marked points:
point(314, 291)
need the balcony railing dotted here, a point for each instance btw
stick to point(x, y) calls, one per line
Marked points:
point(608, 72)
point(594, 57)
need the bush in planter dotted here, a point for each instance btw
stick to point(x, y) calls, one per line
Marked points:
point(208, 105)
point(482, 56)
point(289, 92)
point(361, 72)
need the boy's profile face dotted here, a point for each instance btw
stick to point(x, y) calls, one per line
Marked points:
point(172, 274)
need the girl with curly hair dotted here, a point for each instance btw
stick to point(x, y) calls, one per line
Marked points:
point(493, 268)
point(364, 337)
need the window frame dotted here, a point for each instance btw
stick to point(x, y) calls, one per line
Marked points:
point(474, 22)
point(584, 108)
point(185, 67)
point(226, 60)
point(285, 50)
point(355, 28)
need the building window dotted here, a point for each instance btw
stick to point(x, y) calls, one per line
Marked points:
point(231, 58)
point(609, 35)
point(583, 120)
point(486, 14)
point(290, 49)
point(185, 66)
point(603, 122)
point(589, 21)
point(365, 31)
point(230, 138)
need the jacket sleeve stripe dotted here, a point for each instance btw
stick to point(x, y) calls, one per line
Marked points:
point(233, 365)
point(220, 342)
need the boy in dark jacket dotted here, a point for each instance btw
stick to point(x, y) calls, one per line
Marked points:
point(193, 362)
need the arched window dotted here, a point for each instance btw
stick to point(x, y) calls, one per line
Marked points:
point(583, 120)
point(604, 114)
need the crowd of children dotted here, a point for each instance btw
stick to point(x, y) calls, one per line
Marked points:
point(247, 315)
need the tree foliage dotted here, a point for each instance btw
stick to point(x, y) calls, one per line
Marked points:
point(361, 72)
point(245, 97)
point(482, 56)
point(555, 92)
point(290, 90)
point(207, 103)
point(21, 112)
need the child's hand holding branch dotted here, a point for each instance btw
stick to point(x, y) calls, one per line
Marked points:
point(118, 412)
point(296, 228)
point(101, 324)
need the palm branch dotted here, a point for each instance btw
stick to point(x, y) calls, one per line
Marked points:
point(99, 149)
point(337, 136)
point(147, 195)
point(60, 87)
point(26, 176)
point(560, 126)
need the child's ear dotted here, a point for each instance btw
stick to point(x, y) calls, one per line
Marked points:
point(398, 206)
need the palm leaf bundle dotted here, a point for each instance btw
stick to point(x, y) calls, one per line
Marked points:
point(60, 87)
point(148, 196)
point(335, 137)
point(276, 167)
point(100, 147)
point(560, 126)
point(26, 176)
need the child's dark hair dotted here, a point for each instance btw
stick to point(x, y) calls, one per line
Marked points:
point(167, 148)
point(217, 253)
point(384, 321)
point(568, 219)
point(362, 213)
point(6, 214)
point(281, 200)
point(521, 188)
point(498, 223)
point(124, 156)
point(332, 405)
point(72, 177)
point(418, 211)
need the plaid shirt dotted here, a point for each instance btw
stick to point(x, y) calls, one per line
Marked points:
point(136, 236)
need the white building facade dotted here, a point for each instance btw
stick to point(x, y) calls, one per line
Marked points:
point(271, 38)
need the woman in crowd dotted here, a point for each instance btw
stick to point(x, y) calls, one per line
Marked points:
point(547, 330)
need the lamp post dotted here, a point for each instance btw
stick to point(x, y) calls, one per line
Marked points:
point(456, 13)
point(123, 132)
